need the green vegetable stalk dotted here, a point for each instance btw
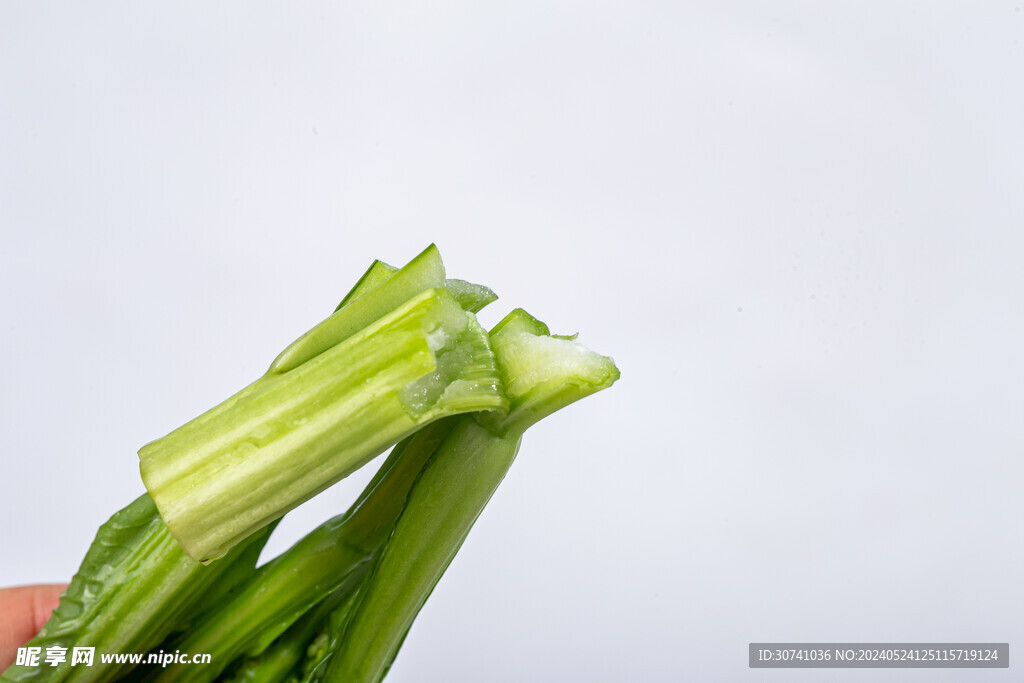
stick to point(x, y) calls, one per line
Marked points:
point(542, 374)
point(387, 363)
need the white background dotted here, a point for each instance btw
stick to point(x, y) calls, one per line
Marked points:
point(796, 227)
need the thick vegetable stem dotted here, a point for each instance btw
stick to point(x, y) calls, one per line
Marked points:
point(450, 494)
point(543, 374)
point(293, 433)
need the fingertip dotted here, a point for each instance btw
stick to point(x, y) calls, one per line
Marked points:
point(23, 611)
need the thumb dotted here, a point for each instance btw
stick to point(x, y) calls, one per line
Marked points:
point(23, 611)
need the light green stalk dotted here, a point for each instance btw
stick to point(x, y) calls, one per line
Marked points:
point(353, 386)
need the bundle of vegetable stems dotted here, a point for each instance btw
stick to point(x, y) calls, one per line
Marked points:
point(401, 361)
